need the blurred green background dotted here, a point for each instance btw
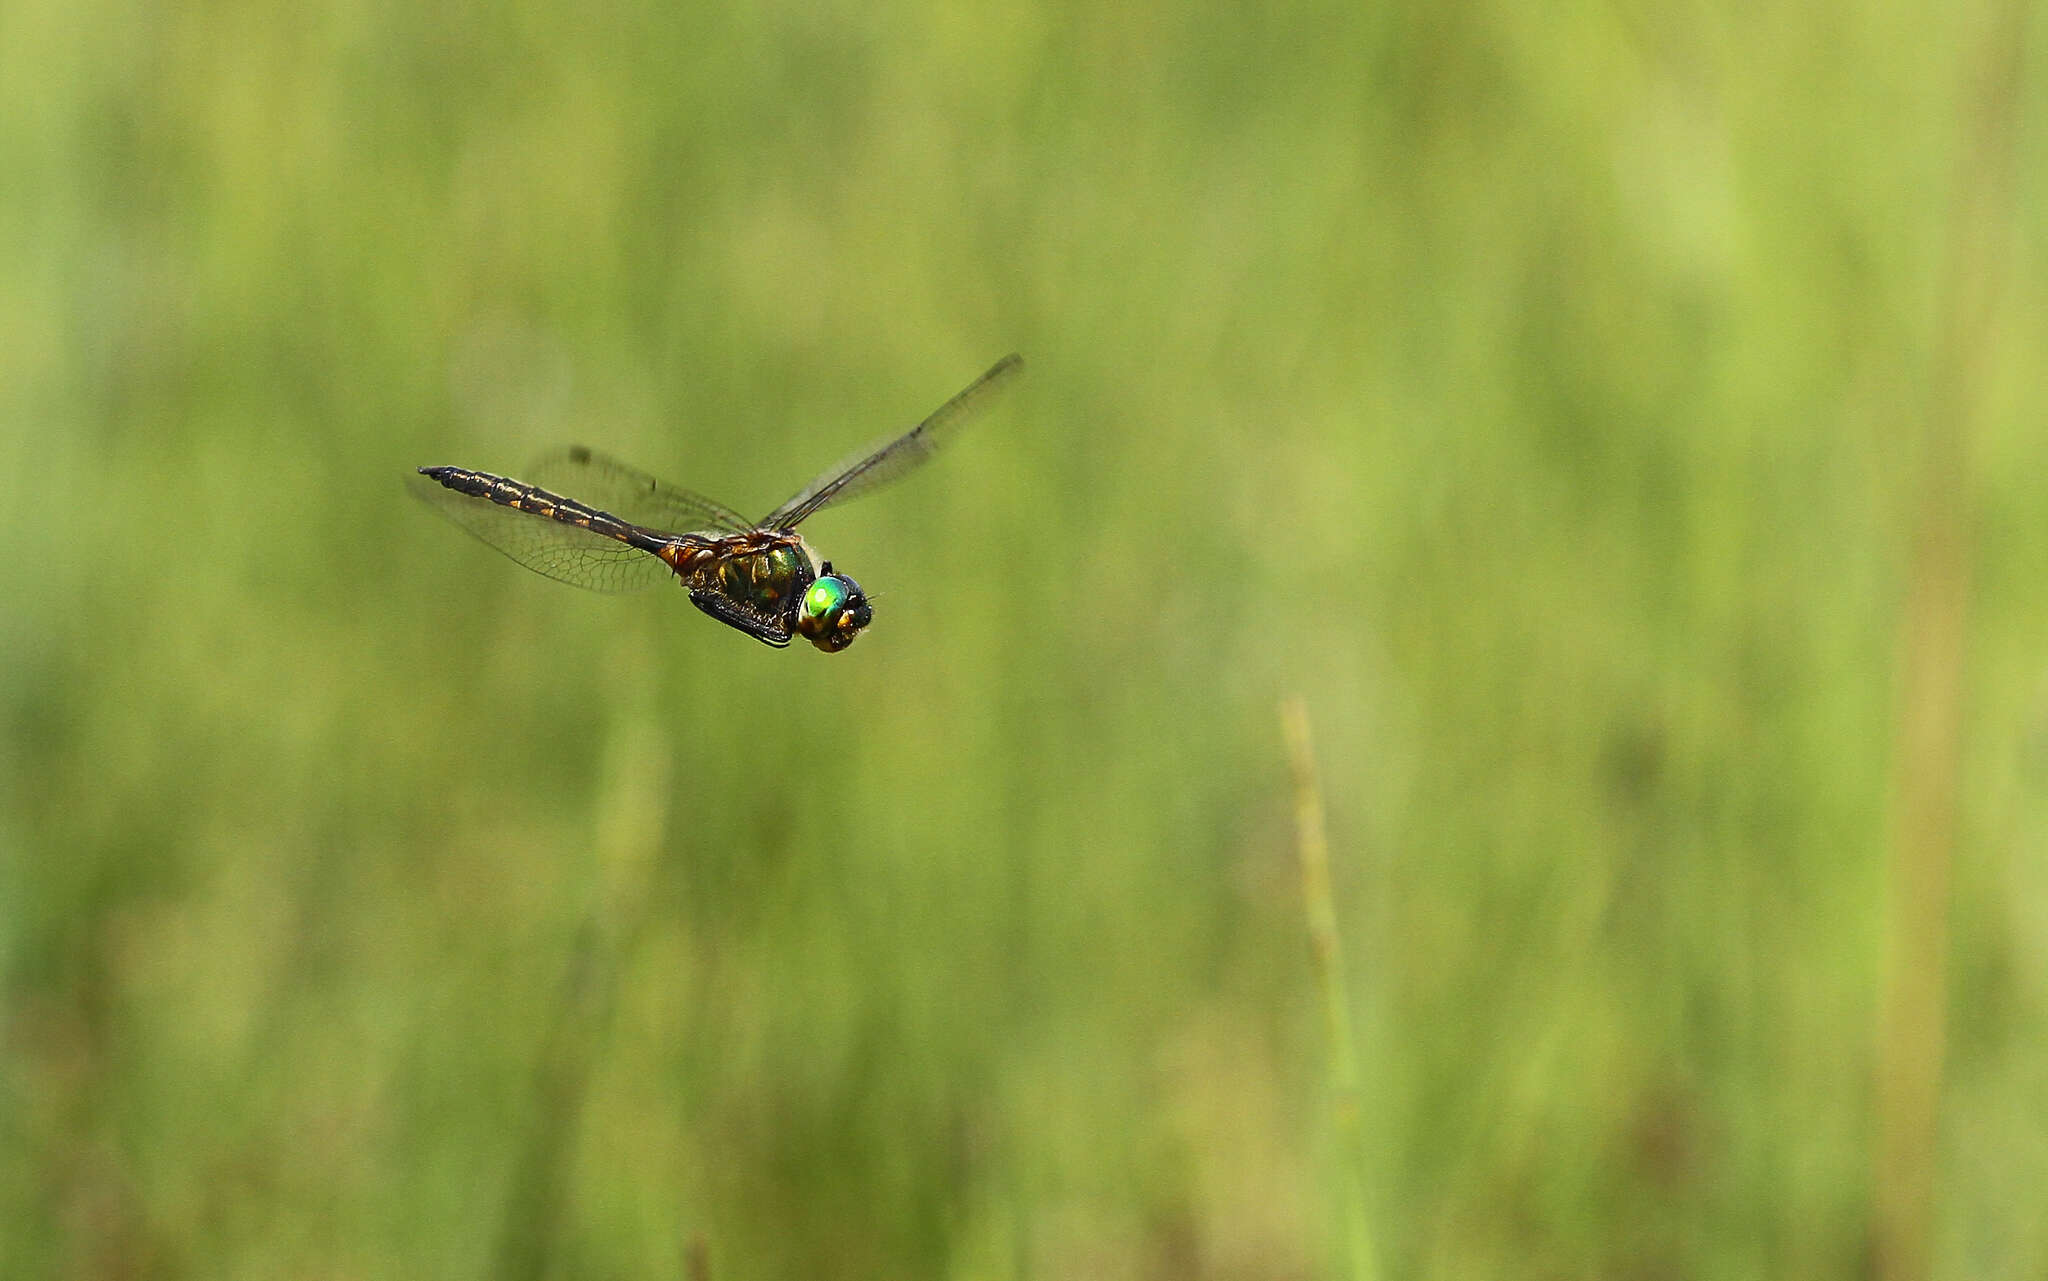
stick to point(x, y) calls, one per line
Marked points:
point(1622, 427)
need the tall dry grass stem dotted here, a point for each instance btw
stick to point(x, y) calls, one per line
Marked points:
point(1927, 761)
point(1326, 947)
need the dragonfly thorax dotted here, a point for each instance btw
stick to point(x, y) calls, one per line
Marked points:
point(767, 581)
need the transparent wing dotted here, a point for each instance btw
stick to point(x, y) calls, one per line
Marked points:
point(871, 470)
point(563, 552)
point(607, 484)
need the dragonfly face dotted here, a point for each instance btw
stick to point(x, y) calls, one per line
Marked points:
point(833, 612)
point(582, 518)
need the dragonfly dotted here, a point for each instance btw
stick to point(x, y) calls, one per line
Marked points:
point(582, 518)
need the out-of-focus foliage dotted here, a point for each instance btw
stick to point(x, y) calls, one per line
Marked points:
point(1538, 390)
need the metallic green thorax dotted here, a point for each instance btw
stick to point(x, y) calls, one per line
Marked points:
point(765, 581)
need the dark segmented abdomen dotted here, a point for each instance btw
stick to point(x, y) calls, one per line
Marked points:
point(531, 498)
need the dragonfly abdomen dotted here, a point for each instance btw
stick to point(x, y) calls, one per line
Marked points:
point(531, 498)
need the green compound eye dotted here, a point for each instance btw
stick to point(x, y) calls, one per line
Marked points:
point(825, 596)
point(832, 613)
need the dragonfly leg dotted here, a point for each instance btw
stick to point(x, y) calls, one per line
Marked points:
point(776, 634)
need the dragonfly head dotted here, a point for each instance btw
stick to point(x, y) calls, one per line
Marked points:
point(833, 611)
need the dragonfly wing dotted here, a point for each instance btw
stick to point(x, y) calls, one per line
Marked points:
point(875, 468)
point(609, 485)
point(566, 553)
